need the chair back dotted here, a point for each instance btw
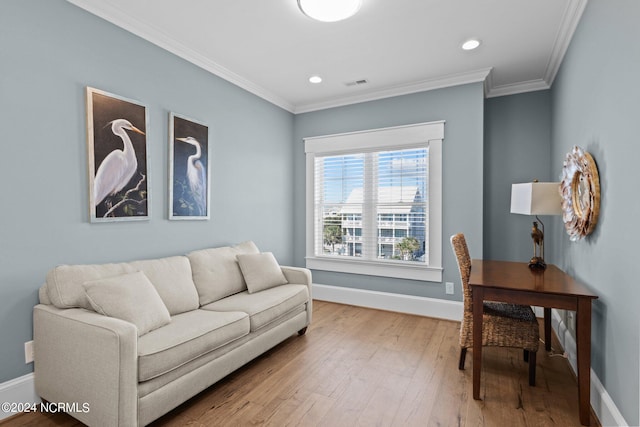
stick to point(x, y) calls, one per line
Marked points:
point(459, 245)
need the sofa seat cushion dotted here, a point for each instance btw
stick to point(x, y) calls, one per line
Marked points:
point(188, 336)
point(265, 306)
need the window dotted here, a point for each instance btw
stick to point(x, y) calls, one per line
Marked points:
point(401, 233)
point(374, 202)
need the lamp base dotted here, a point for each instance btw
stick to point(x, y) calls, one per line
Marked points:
point(537, 263)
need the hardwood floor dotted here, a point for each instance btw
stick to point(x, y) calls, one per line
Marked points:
point(358, 366)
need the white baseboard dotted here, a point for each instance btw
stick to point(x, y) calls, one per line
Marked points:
point(18, 390)
point(430, 307)
point(601, 402)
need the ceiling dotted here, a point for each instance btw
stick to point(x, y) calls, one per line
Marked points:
point(270, 48)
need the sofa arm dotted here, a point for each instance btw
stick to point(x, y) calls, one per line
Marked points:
point(298, 275)
point(88, 361)
point(302, 276)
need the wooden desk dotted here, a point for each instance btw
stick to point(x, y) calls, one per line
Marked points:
point(515, 282)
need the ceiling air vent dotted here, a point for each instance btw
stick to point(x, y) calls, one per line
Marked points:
point(357, 82)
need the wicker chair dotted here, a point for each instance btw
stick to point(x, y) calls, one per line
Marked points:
point(503, 325)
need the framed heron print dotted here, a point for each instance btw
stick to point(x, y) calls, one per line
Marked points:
point(117, 149)
point(189, 169)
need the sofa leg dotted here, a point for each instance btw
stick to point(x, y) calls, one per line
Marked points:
point(302, 331)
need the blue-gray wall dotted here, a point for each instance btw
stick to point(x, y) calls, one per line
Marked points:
point(462, 108)
point(517, 148)
point(596, 105)
point(49, 51)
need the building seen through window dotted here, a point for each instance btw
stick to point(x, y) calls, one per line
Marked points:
point(383, 217)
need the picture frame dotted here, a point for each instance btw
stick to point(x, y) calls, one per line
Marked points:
point(117, 158)
point(189, 169)
point(580, 193)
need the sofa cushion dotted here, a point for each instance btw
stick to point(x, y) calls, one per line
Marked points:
point(173, 280)
point(187, 337)
point(216, 272)
point(260, 271)
point(65, 282)
point(170, 276)
point(120, 297)
point(265, 306)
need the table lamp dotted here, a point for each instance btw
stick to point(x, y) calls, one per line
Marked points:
point(536, 198)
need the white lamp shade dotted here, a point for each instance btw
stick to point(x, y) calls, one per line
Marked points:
point(536, 198)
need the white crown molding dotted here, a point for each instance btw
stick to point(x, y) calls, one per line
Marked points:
point(422, 86)
point(512, 89)
point(488, 83)
point(570, 20)
point(160, 39)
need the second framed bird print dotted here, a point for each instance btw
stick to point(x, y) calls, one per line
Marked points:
point(117, 148)
point(189, 169)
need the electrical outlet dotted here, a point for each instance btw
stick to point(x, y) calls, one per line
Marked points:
point(28, 352)
point(449, 288)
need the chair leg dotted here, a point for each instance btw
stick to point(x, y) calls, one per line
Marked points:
point(532, 368)
point(526, 355)
point(463, 354)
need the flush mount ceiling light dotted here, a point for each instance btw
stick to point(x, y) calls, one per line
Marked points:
point(329, 10)
point(470, 44)
point(315, 79)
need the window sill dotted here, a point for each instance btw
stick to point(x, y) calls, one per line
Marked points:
point(399, 270)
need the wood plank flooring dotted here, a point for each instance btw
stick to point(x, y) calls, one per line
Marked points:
point(364, 367)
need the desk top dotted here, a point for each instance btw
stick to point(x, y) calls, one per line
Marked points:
point(518, 276)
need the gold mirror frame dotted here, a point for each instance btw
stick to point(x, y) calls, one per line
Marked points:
point(580, 192)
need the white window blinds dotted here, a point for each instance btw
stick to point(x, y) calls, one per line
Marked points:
point(372, 205)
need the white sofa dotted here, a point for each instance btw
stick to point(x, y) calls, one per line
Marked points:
point(123, 344)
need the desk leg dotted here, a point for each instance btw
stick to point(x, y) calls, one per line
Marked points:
point(478, 303)
point(583, 338)
point(547, 329)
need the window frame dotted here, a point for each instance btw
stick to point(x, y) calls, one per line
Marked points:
point(431, 135)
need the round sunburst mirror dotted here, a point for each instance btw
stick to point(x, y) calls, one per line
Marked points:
point(580, 191)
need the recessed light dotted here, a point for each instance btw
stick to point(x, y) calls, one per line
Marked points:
point(315, 79)
point(470, 44)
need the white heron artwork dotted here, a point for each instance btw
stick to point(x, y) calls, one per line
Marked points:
point(196, 176)
point(117, 148)
point(189, 169)
point(117, 169)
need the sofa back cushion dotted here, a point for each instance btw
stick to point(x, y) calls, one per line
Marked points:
point(216, 272)
point(173, 279)
point(170, 276)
